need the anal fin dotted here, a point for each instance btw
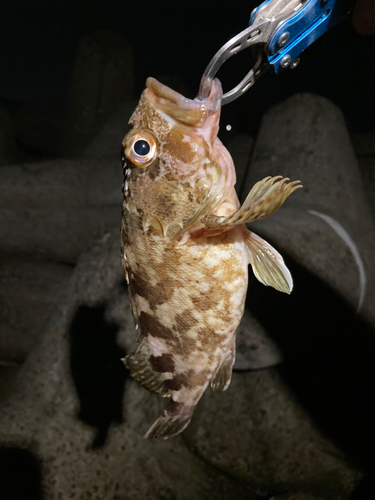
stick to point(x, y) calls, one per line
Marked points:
point(141, 369)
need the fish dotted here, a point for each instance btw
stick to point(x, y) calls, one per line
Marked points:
point(185, 248)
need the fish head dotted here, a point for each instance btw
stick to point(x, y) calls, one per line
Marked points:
point(177, 170)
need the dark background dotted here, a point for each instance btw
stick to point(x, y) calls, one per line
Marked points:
point(38, 41)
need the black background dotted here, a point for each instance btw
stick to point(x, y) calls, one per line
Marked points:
point(38, 41)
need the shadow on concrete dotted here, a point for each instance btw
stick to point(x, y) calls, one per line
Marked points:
point(20, 475)
point(329, 359)
point(97, 371)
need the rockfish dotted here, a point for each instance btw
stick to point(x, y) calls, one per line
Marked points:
point(186, 248)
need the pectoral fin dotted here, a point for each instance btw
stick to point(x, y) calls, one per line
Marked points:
point(265, 198)
point(268, 265)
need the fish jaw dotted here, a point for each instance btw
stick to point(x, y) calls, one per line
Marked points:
point(210, 128)
point(191, 161)
point(174, 105)
point(191, 112)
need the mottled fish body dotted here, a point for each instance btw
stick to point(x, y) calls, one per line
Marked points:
point(186, 248)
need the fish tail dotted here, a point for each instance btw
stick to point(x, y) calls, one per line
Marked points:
point(174, 420)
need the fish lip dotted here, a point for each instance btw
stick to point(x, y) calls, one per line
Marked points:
point(170, 96)
point(211, 94)
point(188, 111)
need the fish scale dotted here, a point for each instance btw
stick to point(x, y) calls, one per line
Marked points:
point(186, 249)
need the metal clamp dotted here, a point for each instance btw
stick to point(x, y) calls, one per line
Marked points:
point(295, 34)
point(280, 30)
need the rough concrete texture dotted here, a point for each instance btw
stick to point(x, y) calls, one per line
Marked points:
point(268, 443)
point(257, 432)
point(102, 79)
point(28, 290)
point(39, 413)
point(306, 138)
point(313, 243)
point(54, 208)
point(254, 347)
point(43, 184)
point(67, 404)
point(51, 209)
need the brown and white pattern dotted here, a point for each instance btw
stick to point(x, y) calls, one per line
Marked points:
point(185, 249)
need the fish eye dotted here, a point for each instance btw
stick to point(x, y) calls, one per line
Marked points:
point(141, 148)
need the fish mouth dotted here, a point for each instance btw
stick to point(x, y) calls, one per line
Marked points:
point(193, 112)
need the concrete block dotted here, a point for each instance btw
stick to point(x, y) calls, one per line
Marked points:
point(29, 288)
point(60, 407)
point(331, 230)
point(53, 209)
point(258, 432)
